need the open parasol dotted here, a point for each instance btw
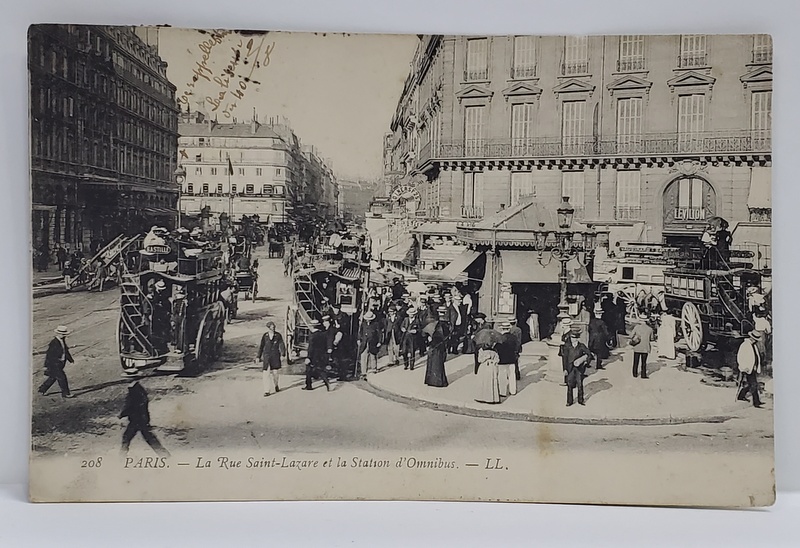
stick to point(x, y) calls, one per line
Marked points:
point(488, 338)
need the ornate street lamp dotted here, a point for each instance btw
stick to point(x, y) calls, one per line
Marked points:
point(565, 214)
point(564, 245)
point(180, 177)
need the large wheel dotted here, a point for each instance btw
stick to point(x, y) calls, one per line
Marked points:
point(208, 345)
point(692, 326)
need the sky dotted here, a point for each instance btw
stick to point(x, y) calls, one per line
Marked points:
point(339, 92)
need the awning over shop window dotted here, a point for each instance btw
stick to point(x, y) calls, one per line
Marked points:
point(526, 267)
point(453, 272)
point(760, 196)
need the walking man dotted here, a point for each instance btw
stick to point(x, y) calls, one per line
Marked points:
point(410, 330)
point(317, 360)
point(392, 334)
point(54, 362)
point(516, 332)
point(369, 344)
point(270, 352)
point(641, 337)
point(576, 357)
point(137, 411)
point(749, 361)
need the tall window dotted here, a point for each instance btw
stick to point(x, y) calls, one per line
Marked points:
point(691, 121)
point(690, 194)
point(473, 130)
point(233, 189)
point(629, 124)
point(631, 52)
point(629, 190)
point(219, 188)
point(573, 126)
point(241, 172)
point(205, 188)
point(472, 195)
point(521, 128)
point(477, 60)
point(572, 186)
point(521, 185)
point(258, 172)
point(189, 188)
point(524, 65)
point(213, 171)
point(198, 171)
point(693, 51)
point(761, 117)
point(576, 55)
point(762, 48)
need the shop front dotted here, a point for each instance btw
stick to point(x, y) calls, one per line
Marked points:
point(688, 203)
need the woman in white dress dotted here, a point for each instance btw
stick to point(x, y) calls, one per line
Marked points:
point(487, 376)
point(666, 336)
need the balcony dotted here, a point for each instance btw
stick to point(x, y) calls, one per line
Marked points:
point(628, 213)
point(476, 75)
point(645, 144)
point(762, 56)
point(571, 68)
point(472, 212)
point(523, 72)
point(692, 60)
point(630, 64)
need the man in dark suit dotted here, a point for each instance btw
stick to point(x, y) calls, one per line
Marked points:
point(317, 360)
point(576, 356)
point(270, 352)
point(516, 332)
point(54, 362)
point(137, 411)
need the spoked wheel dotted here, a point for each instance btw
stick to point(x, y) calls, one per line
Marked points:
point(692, 326)
point(208, 346)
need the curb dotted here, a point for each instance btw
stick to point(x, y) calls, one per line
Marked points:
point(530, 417)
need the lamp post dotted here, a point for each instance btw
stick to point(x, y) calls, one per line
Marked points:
point(180, 176)
point(564, 244)
point(565, 214)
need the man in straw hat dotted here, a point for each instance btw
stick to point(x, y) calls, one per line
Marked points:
point(54, 362)
point(576, 357)
point(749, 360)
point(369, 343)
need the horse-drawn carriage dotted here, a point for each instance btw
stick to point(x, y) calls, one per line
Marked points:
point(247, 283)
point(323, 284)
point(171, 312)
point(713, 304)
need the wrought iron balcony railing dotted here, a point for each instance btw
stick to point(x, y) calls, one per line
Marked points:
point(472, 212)
point(523, 72)
point(644, 144)
point(630, 63)
point(476, 75)
point(692, 60)
point(628, 213)
point(569, 68)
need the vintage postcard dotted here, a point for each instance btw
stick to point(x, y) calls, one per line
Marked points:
point(282, 266)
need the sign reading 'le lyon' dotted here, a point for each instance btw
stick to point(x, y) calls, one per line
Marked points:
point(690, 214)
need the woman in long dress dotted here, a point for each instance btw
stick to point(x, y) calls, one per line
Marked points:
point(666, 336)
point(487, 376)
point(436, 355)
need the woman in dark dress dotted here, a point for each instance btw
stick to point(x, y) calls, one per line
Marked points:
point(439, 332)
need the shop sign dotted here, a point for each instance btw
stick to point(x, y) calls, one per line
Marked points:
point(690, 214)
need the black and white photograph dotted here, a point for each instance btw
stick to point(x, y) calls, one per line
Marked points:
point(330, 266)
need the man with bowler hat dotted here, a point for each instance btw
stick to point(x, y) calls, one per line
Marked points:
point(317, 360)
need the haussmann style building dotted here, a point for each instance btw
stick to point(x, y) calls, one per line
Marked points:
point(648, 136)
point(103, 134)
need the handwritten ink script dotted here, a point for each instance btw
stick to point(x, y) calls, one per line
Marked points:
point(229, 84)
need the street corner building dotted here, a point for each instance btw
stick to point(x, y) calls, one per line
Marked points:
point(648, 136)
point(104, 134)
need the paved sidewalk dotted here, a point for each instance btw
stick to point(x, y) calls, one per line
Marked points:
point(613, 395)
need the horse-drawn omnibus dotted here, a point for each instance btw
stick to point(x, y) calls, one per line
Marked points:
point(171, 313)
